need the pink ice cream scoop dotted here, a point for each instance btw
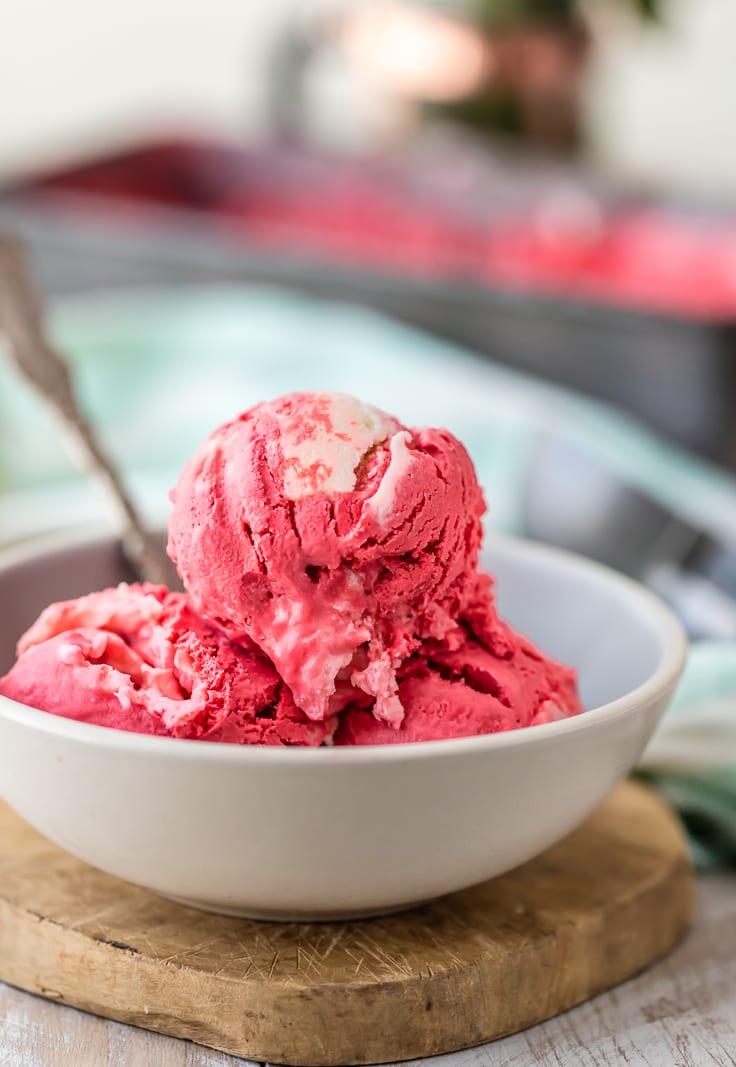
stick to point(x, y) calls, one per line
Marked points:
point(139, 658)
point(334, 538)
point(330, 558)
point(468, 692)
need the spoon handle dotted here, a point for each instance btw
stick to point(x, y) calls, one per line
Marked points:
point(22, 327)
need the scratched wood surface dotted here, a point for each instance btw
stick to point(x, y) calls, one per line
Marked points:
point(681, 1012)
point(488, 961)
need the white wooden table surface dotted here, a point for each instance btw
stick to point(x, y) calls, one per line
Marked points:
point(680, 1013)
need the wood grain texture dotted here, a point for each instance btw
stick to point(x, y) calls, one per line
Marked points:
point(681, 1012)
point(501, 956)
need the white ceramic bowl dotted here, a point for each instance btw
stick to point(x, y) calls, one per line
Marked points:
point(331, 833)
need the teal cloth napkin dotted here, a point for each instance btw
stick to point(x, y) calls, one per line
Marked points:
point(157, 370)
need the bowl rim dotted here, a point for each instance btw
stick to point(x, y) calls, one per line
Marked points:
point(660, 682)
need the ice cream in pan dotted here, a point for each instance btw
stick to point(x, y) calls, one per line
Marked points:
point(330, 560)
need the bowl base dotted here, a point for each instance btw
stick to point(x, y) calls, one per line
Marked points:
point(276, 916)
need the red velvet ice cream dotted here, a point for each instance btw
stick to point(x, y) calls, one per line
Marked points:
point(468, 692)
point(330, 560)
point(334, 538)
point(139, 658)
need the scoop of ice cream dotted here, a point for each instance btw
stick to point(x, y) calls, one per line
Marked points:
point(330, 556)
point(468, 692)
point(334, 538)
point(139, 658)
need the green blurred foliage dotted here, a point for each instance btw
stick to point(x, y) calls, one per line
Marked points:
point(495, 12)
point(649, 8)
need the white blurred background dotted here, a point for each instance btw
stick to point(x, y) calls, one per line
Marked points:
point(81, 73)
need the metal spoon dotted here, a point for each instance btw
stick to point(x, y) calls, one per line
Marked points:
point(22, 327)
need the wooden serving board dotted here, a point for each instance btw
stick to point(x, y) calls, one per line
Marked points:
point(590, 912)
